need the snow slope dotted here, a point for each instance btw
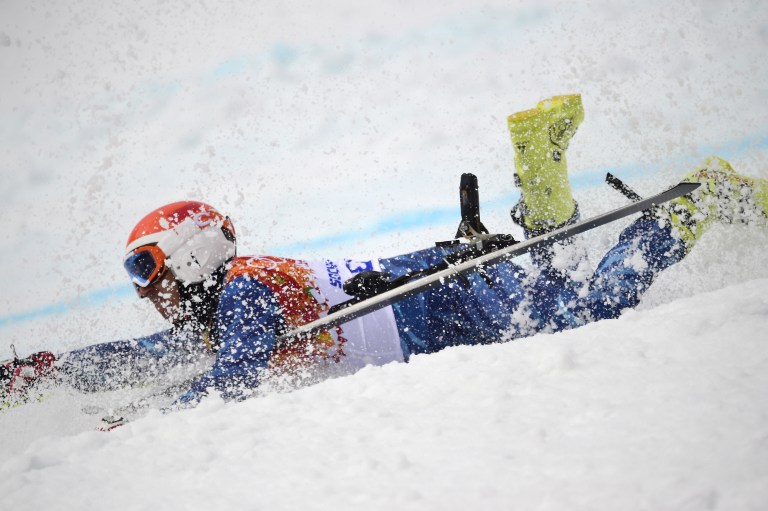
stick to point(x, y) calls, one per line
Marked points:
point(660, 409)
point(338, 129)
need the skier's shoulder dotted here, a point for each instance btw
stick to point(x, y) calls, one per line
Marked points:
point(290, 284)
point(254, 281)
point(269, 270)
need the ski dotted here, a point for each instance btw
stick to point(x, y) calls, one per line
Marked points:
point(489, 253)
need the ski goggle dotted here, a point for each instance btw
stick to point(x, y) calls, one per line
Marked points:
point(145, 265)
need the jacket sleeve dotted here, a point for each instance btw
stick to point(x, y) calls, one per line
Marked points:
point(119, 364)
point(247, 320)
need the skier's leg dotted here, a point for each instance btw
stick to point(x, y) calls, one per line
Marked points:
point(646, 248)
point(652, 244)
point(517, 301)
point(540, 137)
point(477, 311)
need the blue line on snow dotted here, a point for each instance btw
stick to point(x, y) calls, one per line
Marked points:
point(90, 299)
point(397, 223)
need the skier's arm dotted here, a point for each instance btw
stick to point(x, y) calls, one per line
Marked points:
point(247, 319)
point(99, 367)
point(112, 365)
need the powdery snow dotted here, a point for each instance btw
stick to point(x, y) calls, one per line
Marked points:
point(660, 409)
point(316, 126)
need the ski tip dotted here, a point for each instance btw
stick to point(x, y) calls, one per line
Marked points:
point(688, 186)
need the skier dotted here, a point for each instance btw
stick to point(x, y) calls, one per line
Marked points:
point(231, 310)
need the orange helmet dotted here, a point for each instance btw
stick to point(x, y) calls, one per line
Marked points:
point(190, 238)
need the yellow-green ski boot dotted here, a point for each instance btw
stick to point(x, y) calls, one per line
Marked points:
point(540, 137)
point(724, 196)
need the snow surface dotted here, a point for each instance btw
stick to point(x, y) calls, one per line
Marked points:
point(660, 409)
point(341, 130)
